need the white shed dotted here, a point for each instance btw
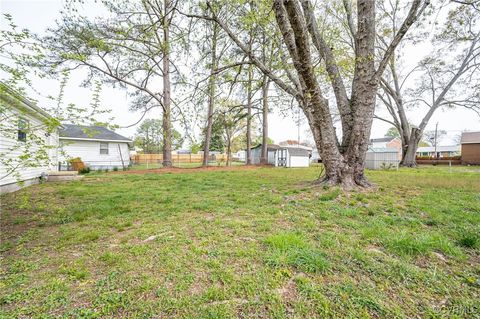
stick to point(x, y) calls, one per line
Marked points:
point(97, 146)
point(382, 158)
point(283, 156)
point(28, 141)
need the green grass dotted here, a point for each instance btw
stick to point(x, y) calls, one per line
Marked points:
point(248, 243)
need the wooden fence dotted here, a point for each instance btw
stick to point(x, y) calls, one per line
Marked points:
point(177, 158)
point(446, 160)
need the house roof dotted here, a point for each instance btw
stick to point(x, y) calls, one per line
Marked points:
point(12, 96)
point(382, 150)
point(95, 133)
point(449, 148)
point(382, 139)
point(470, 138)
point(297, 151)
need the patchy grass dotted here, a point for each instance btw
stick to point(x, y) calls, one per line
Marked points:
point(256, 243)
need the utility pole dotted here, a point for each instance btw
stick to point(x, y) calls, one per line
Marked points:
point(436, 130)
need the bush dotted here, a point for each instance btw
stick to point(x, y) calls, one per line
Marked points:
point(115, 169)
point(84, 170)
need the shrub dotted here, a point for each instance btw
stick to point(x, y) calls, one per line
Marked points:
point(84, 170)
point(115, 169)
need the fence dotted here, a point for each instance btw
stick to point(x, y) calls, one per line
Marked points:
point(177, 158)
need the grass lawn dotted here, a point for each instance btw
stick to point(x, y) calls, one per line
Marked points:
point(246, 243)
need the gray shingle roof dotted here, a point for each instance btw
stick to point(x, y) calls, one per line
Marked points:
point(100, 133)
point(297, 151)
point(470, 138)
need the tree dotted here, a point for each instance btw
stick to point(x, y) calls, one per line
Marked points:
point(433, 138)
point(443, 81)
point(306, 44)
point(233, 124)
point(150, 137)
point(392, 132)
point(21, 53)
point(132, 48)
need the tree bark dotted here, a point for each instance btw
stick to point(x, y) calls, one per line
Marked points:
point(265, 87)
point(167, 123)
point(408, 159)
point(211, 96)
point(249, 116)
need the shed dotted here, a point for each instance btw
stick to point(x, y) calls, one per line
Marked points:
point(381, 158)
point(470, 143)
point(296, 157)
point(271, 152)
point(283, 156)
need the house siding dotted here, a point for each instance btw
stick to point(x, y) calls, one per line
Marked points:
point(471, 153)
point(11, 148)
point(89, 153)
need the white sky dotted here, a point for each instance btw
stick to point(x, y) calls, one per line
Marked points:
point(37, 15)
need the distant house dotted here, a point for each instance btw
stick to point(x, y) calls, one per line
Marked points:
point(24, 124)
point(239, 156)
point(381, 158)
point(441, 151)
point(387, 142)
point(470, 144)
point(97, 146)
point(283, 156)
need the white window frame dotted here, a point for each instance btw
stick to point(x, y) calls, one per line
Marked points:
point(103, 149)
point(22, 127)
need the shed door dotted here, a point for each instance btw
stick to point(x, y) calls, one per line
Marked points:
point(282, 157)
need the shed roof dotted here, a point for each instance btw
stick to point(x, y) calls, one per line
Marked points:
point(470, 138)
point(269, 146)
point(297, 151)
point(100, 133)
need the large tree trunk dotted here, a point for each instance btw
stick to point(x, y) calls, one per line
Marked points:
point(211, 96)
point(408, 159)
point(249, 116)
point(167, 123)
point(264, 156)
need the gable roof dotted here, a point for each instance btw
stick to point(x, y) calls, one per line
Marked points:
point(297, 151)
point(92, 133)
point(470, 138)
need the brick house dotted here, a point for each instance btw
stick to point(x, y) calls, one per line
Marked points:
point(387, 143)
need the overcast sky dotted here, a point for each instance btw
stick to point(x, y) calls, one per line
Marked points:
point(37, 15)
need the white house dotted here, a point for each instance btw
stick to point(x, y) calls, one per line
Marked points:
point(441, 151)
point(28, 141)
point(282, 156)
point(97, 147)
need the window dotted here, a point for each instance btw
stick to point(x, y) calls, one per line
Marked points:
point(104, 148)
point(22, 130)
